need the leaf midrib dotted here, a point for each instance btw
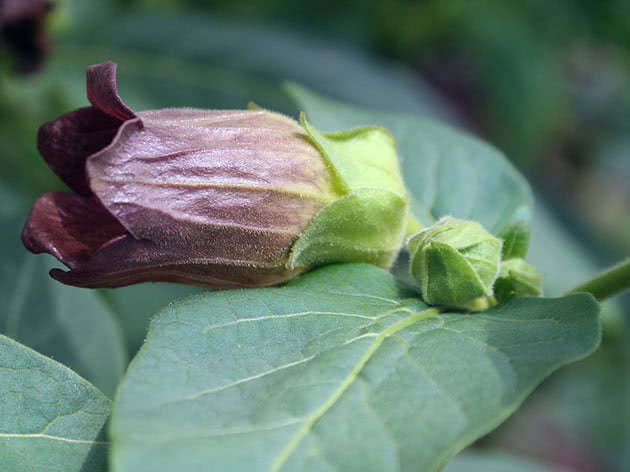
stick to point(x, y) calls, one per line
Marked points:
point(345, 384)
point(51, 437)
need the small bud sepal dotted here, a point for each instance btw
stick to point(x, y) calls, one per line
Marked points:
point(454, 261)
point(517, 278)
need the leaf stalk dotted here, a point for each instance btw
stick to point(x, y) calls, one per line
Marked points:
point(608, 283)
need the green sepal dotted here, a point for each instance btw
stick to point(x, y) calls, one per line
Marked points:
point(447, 277)
point(454, 261)
point(366, 226)
point(368, 223)
point(360, 158)
point(517, 278)
point(515, 234)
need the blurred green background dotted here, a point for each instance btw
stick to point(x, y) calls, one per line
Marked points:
point(543, 81)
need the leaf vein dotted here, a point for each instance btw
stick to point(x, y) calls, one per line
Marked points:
point(235, 383)
point(284, 316)
point(345, 384)
point(49, 436)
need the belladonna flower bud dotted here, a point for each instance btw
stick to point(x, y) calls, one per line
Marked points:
point(517, 278)
point(208, 197)
point(454, 261)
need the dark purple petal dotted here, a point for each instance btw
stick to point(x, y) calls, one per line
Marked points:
point(213, 198)
point(103, 93)
point(237, 185)
point(68, 141)
point(127, 261)
point(70, 227)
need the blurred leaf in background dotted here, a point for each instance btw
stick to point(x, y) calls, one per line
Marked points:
point(545, 82)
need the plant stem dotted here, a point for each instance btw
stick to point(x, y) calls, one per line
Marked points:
point(608, 283)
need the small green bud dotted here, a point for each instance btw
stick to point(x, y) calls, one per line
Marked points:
point(517, 278)
point(454, 261)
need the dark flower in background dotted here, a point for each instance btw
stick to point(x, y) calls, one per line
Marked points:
point(21, 32)
point(209, 197)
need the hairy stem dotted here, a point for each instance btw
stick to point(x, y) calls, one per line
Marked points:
point(608, 283)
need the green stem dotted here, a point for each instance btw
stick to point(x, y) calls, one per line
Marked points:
point(608, 283)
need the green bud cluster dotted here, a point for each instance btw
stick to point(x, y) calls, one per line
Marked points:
point(459, 263)
point(517, 278)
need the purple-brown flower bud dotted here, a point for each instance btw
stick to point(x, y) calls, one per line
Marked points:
point(209, 197)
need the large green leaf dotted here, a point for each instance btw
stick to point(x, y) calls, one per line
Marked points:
point(51, 420)
point(340, 369)
point(71, 325)
point(447, 171)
